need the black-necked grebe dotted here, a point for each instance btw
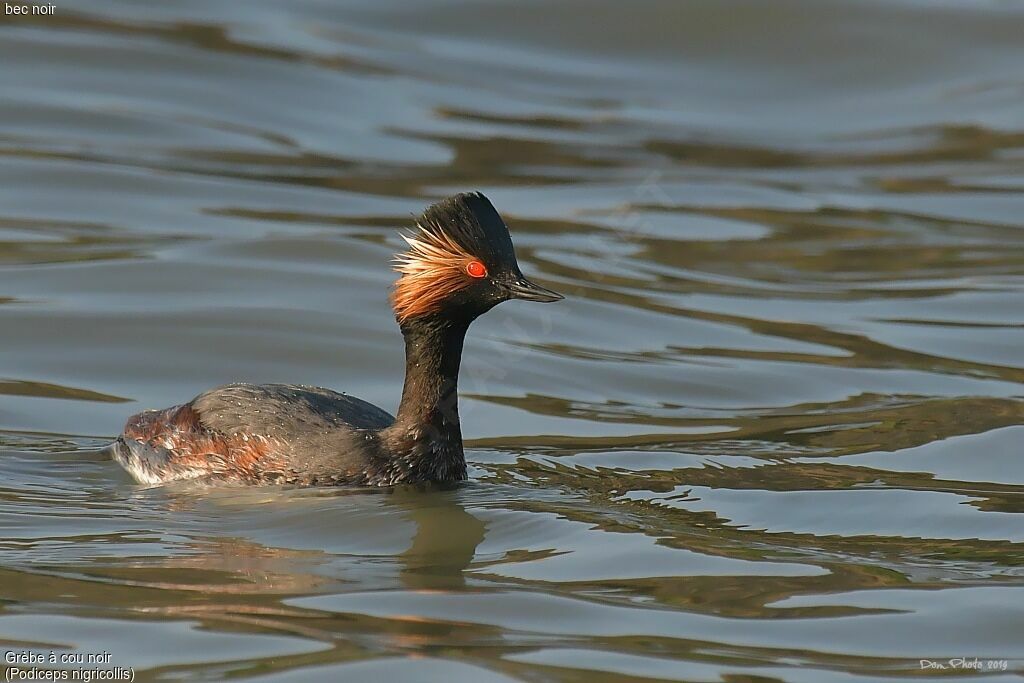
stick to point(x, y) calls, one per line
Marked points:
point(460, 264)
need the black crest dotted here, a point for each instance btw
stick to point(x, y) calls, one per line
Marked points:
point(474, 224)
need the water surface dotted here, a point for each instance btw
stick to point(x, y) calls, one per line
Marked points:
point(774, 432)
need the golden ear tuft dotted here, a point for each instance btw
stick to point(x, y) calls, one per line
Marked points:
point(432, 269)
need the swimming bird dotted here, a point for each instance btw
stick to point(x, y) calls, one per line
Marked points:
point(459, 264)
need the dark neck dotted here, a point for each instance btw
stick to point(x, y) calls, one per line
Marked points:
point(430, 401)
point(433, 352)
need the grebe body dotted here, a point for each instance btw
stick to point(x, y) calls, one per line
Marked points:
point(460, 264)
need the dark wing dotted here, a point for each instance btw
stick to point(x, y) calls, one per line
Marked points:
point(285, 411)
point(238, 431)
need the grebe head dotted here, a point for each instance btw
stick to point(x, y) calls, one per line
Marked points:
point(460, 263)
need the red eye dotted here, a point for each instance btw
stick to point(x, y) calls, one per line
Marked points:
point(476, 269)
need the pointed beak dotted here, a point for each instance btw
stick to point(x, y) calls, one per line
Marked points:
point(521, 288)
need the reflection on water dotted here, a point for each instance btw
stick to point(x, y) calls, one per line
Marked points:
point(773, 434)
